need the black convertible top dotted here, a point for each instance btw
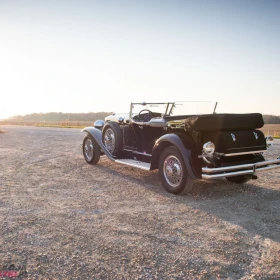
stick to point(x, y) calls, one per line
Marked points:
point(214, 122)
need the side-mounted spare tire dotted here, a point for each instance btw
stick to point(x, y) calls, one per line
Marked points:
point(112, 137)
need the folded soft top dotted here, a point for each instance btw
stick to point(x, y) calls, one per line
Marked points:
point(214, 122)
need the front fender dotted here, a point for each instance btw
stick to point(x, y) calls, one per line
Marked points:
point(97, 135)
point(174, 140)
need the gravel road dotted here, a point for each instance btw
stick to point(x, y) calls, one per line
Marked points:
point(61, 218)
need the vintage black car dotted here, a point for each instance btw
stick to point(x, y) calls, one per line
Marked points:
point(182, 146)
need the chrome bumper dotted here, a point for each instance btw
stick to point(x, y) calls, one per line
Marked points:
point(243, 169)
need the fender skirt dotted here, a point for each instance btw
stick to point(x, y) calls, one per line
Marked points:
point(175, 140)
point(97, 135)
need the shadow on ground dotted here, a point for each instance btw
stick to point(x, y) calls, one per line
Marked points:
point(235, 204)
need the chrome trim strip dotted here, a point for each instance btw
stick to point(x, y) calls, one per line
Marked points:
point(274, 161)
point(227, 168)
point(243, 169)
point(237, 173)
point(241, 166)
point(135, 163)
point(245, 147)
point(267, 168)
point(244, 153)
point(136, 152)
point(233, 154)
point(229, 174)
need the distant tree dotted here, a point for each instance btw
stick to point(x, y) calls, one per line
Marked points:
point(93, 116)
point(59, 116)
point(271, 119)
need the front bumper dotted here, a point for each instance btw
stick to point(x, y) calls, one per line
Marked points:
point(243, 169)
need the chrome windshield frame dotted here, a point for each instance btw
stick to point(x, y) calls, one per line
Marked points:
point(169, 106)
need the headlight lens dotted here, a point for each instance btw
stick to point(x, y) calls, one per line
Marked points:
point(209, 148)
point(99, 124)
point(269, 141)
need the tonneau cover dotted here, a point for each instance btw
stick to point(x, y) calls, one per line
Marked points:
point(215, 122)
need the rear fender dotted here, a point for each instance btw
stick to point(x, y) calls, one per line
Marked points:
point(183, 143)
point(97, 135)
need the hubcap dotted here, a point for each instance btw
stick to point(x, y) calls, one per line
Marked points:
point(172, 171)
point(89, 150)
point(109, 140)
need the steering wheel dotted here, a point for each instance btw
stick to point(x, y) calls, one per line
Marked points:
point(151, 115)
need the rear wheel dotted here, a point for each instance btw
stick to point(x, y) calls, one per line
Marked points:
point(91, 150)
point(112, 138)
point(173, 172)
point(241, 179)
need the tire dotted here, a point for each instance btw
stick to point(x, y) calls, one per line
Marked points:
point(173, 172)
point(112, 137)
point(91, 150)
point(241, 179)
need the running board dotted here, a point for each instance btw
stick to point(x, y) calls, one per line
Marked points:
point(135, 163)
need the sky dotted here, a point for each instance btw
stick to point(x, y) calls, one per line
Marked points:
point(86, 56)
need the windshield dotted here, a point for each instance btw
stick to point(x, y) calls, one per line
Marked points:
point(193, 108)
point(145, 107)
point(177, 108)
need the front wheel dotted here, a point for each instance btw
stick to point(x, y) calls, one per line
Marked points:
point(173, 172)
point(91, 150)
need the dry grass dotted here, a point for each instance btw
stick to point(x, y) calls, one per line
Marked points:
point(62, 124)
point(271, 129)
point(65, 219)
point(268, 129)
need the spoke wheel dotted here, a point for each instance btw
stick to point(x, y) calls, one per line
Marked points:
point(91, 150)
point(109, 140)
point(173, 172)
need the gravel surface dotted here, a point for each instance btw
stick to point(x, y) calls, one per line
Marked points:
point(61, 218)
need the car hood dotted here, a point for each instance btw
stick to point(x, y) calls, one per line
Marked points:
point(116, 117)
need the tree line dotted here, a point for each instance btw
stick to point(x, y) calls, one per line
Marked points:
point(93, 116)
point(271, 119)
point(59, 116)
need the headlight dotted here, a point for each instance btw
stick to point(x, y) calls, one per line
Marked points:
point(99, 124)
point(209, 148)
point(269, 141)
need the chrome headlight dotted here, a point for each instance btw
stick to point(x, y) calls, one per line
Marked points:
point(269, 141)
point(209, 148)
point(99, 124)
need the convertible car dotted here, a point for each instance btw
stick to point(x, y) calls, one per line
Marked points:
point(182, 146)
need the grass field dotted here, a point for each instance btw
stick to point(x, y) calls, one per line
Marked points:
point(271, 129)
point(268, 129)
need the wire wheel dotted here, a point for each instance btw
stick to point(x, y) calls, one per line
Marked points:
point(89, 150)
point(172, 171)
point(109, 140)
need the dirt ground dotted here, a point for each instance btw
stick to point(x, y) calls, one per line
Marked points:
point(61, 218)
